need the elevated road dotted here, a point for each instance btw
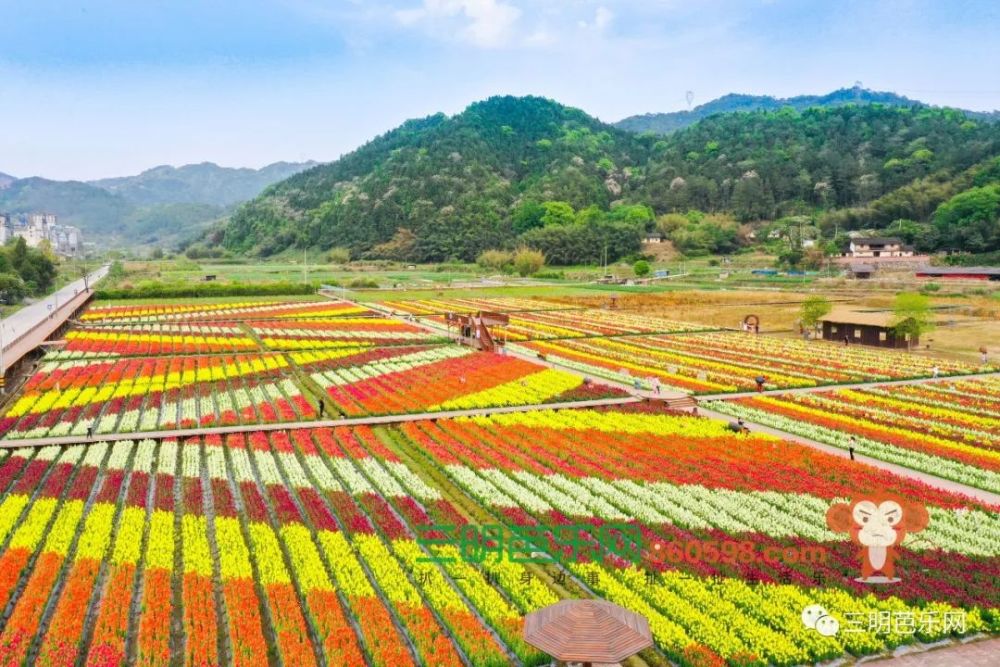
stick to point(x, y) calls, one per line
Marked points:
point(26, 329)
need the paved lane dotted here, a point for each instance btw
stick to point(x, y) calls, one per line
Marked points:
point(27, 328)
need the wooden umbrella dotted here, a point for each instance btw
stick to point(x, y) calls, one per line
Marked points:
point(587, 631)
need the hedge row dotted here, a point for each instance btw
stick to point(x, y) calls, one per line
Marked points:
point(167, 291)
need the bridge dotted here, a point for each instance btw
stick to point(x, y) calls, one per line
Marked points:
point(28, 328)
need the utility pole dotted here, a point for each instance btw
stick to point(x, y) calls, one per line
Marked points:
point(305, 266)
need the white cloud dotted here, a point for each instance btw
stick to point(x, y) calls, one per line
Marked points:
point(486, 23)
point(603, 17)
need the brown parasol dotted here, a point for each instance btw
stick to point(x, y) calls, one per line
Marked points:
point(587, 631)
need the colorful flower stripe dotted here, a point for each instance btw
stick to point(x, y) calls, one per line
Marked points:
point(767, 519)
point(716, 362)
point(63, 641)
point(685, 619)
point(111, 629)
point(352, 446)
point(200, 616)
point(207, 311)
point(286, 611)
point(155, 607)
point(894, 446)
point(47, 570)
point(91, 342)
point(337, 332)
point(376, 623)
point(440, 378)
point(495, 304)
point(136, 395)
point(244, 626)
point(682, 450)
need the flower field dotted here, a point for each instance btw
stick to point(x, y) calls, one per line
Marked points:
point(494, 304)
point(209, 311)
point(947, 428)
point(366, 381)
point(154, 339)
point(330, 546)
point(339, 331)
point(719, 362)
point(154, 393)
point(583, 323)
point(426, 541)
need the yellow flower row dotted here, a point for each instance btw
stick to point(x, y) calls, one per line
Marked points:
point(234, 557)
point(197, 554)
point(306, 563)
point(160, 547)
point(324, 355)
point(389, 574)
point(96, 532)
point(350, 577)
point(128, 541)
point(268, 552)
point(535, 388)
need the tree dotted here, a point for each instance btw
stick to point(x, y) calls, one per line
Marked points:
point(528, 261)
point(971, 220)
point(557, 213)
point(813, 310)
point(527, 215)
point(912, 316)
point(338, 255)
point(641, 268)
point(12, 289)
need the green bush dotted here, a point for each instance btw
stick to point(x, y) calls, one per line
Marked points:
point(169, 290)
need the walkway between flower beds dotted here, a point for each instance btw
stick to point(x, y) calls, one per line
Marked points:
point(320, 423)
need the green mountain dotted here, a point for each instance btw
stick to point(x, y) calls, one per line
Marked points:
point(510, 171)
point(452, 183)
point(159, 206)
point(665, 123)
point(204, 183)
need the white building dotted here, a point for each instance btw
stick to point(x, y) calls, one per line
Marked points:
point(37, 227)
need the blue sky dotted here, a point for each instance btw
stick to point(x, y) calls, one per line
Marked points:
point(99, 88)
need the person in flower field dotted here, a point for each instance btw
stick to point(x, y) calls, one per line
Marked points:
point(760, 380)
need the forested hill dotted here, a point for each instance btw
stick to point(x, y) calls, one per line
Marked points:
point(528, 170)
point(451, 182)
point(665, 123)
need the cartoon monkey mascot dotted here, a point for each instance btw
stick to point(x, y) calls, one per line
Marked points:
point(877, 525)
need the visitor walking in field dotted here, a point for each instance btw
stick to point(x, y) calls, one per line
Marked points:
point(760, 380)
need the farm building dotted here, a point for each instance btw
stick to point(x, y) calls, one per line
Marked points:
point(872, 247)
point(861, 271)
point(873, 328)
point(960, 273)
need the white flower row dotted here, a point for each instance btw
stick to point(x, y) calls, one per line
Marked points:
point(525, 498)
point(479, 487)
point(380, 477)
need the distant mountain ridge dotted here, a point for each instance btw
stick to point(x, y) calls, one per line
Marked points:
point(160, 205)
point(665, 123)
point(203, 183)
